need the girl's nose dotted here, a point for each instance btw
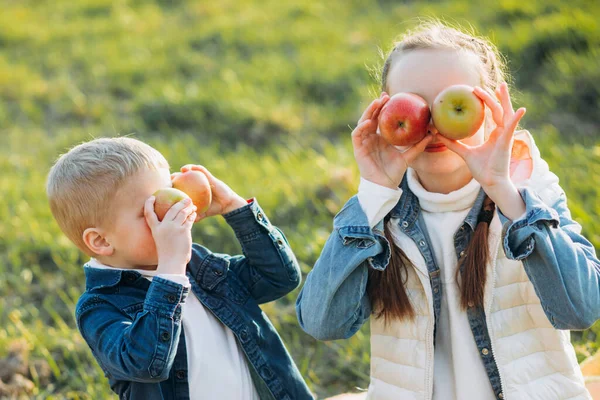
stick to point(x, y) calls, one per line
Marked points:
point(431, 128)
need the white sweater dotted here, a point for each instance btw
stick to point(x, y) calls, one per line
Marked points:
point(217, 368)
point(458, 369)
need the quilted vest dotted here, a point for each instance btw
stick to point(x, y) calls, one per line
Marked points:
point(535, 360)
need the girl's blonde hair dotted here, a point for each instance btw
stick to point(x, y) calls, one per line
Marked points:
point(81, 185)
point(436, 35)
point(386, 289)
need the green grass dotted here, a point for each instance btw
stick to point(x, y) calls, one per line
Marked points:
point(264, 94)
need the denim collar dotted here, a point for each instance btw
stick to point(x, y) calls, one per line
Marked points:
point(205, 267)
point(96, 278)
point(407, 209)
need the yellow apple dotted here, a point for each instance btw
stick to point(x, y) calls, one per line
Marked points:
point(165, 198)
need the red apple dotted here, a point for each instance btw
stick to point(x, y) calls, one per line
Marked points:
point(457, 112)
point(165, 199)
point(404, 119)
point(195, 184)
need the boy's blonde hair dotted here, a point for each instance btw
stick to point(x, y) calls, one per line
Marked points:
point(82, 183)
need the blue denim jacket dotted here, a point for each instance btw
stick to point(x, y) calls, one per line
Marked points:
point(560, 263)
point(133, 326)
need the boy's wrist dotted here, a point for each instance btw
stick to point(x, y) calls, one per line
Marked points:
point(236, 203)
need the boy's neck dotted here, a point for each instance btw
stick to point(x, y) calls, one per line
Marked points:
point(114, 263)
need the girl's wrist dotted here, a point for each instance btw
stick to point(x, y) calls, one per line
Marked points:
point(383, 181)
point(507, 199)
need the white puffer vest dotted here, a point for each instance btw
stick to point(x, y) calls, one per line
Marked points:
point(535, 360)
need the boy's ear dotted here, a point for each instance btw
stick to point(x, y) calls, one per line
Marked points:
point(95, 240)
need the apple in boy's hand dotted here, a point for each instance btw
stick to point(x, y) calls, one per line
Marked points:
point(404, 119)
point(165, 199)
point(195, 184)
point(457, 112)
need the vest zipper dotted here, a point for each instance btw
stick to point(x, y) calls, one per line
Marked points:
point(489, 307)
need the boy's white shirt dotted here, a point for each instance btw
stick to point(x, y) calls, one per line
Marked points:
point(217, 367)
point(459, 372)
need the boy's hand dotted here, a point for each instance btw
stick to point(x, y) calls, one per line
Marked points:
point(224, 199)
point(172, 235)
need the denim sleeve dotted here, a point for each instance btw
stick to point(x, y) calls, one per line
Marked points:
point(333, 304)
point(139, 350)
point(268, 267)
point(559, 261)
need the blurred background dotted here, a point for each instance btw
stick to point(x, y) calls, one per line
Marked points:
point(265, 94)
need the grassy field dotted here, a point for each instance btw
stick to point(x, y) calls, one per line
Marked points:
point(264, 93)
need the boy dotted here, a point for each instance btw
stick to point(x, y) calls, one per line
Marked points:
point(166, 318)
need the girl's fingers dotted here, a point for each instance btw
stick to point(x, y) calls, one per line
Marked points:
point(412, 153)
point(149, 214)
point(507, 107)
point(384, 100)
point(363, 129)
point(509, 130)
point(459, 148)
point(493, 105)
point(368, 114)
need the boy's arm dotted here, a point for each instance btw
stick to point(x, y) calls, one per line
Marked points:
point(268, 267)
point(139, 350)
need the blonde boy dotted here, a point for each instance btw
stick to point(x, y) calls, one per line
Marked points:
point(152, 338)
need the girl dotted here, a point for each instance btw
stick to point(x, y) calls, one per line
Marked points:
point(463, 253)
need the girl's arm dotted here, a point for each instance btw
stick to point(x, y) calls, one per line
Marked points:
point(333, 303)
point(559, 261)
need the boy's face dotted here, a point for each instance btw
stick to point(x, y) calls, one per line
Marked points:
point(130, 234)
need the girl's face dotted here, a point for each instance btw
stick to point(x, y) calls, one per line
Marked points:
point(426, 73)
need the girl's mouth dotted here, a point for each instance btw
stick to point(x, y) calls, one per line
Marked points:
point(434, 148)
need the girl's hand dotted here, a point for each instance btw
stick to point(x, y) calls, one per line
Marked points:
point(489, 162)
point(172, 235)
point(378, 161)
point(224, 199)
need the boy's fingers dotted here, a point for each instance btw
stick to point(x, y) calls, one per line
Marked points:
point(190, 219)
point(176, 208)
point(184, 214)
point(149, 213)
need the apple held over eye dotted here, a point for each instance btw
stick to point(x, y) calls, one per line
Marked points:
point(404, 119)
point(195, 184)
point(457, 112)
point(165, 199)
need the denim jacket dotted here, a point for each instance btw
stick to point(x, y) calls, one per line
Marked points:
point(133, 326)
point(560, 263)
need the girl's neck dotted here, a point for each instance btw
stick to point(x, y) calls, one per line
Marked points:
point(445, 183)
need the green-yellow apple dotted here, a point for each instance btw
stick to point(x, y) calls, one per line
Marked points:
point(404, 119)
point(195, 184)
point(457, 112)
point(165, 199)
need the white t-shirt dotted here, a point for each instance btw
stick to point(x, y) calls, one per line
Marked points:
point(459, 372)
point(217, 367)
